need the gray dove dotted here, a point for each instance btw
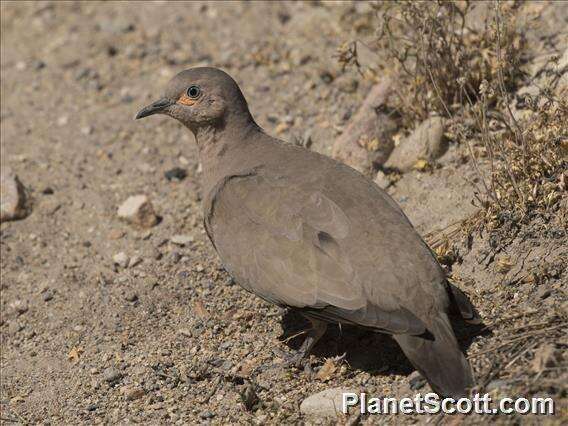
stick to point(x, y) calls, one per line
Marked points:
point(306, 232)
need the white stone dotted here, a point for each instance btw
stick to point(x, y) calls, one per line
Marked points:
point(181, 240)
point(138, 210)
point(427, 143)
point(121, 259)
point(382, 180)
point(12, 196)
point(327, 403)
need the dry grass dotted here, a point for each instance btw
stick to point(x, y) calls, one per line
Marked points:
point(438, 57)
point(466, 69)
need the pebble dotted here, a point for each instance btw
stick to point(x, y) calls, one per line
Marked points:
point(138, 210)
point(134, 261)
point(543, 292)
point(146, 168)
point(47, 295)
point(63, 121)
point(545, 357)
point(181, 240)
point(496, 384)
point(116, 234)
point(116, 26)
point(131, 297)
point(19, 306)
point(121, 259)
point(112, 375)
point(326, 403)
point(382, 180)
point(206, 415)
point(416, 381)
point(176, 174)
point(38, 64)
point(175, 257)
point(87, 130)
point(133, 393)
point(12, 196)
point(15, 327)
point(426, 143)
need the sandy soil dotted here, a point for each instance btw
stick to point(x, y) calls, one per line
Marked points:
point(173, 339)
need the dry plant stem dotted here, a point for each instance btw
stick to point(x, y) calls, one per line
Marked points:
point(516, 339)
point(501, 81)
point(489, 146)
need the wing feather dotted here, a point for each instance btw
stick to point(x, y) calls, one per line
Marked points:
point(289, 244)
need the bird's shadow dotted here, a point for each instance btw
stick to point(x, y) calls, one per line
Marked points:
point(365, 349)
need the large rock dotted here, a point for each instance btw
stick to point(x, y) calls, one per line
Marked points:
point(327, 403)
point(138, 210)
point(367, 140)
point(12, 196)
point(426, 143)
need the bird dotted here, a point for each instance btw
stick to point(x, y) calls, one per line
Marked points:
point(311, 234)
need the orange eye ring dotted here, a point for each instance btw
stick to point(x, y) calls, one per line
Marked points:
point(185, 100)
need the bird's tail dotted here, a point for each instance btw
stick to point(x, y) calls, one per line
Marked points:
point(439, 359)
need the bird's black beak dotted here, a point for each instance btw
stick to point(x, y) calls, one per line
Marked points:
point(154, 108)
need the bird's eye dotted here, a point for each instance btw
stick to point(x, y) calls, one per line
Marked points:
point(193, 92)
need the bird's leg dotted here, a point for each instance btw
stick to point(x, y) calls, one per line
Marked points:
point(314, 334)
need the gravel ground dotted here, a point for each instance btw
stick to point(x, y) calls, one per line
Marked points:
point(161, 334)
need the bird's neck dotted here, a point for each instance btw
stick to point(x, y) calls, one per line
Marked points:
point(222, 149)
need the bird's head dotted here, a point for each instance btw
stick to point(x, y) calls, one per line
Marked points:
point(201, 97)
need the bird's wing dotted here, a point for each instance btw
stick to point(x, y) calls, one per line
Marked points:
point(290, 243)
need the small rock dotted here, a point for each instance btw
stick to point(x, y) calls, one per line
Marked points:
point(185, 332)
point(116, 234)
point(249, 396)
point(544, 357)
point(121, 259)
point(146, 168)
point(206, 415)
point(496, 384)
point(116, 26)
point(133, 393)
point(135, 260)
point(87, 130)
point(181, 240)
point(131, 297)
point(112, 375)
point(416, 381)
point(15, 327)
point(62, 121)
point(347, 83)
point(138, 210)
point(382, 180)
point(543, 292)
point(19, 306)
point(38, 64)
point(327, 403)
point(47, 295)
point(427, 143)
point(177, 173)
point(12, 196)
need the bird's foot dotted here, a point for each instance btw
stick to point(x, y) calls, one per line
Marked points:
point(296, 359)
point(299, 358)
